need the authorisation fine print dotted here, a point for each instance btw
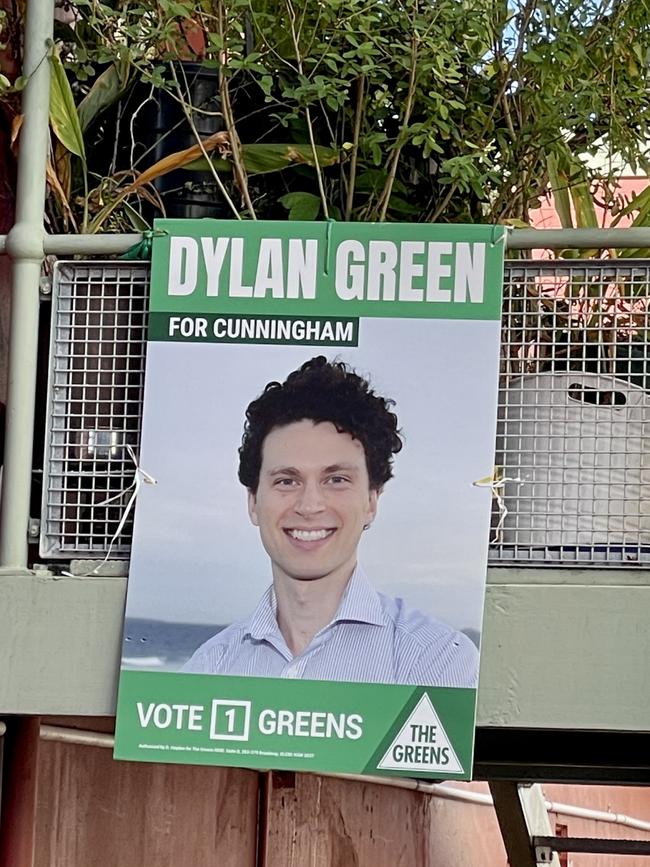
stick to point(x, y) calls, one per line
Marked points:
point(309, 554)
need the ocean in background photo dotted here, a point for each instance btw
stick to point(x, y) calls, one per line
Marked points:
point(160, 645)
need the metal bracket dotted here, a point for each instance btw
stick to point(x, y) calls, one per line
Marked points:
point(33, 529)
point(521, 812)
point(99, 444)
point(543, 854)
point(591, 845)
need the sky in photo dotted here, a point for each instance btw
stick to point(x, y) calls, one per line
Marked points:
point(197, 558)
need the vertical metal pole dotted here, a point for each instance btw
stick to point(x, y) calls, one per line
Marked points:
point(513, 824)
point(25, 246)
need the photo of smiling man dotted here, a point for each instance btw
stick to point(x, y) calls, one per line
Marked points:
point(316, 455)
point(307, 572)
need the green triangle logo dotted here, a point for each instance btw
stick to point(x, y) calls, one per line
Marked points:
point(422, 744)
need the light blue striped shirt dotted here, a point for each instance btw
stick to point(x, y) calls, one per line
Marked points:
point(371, 639)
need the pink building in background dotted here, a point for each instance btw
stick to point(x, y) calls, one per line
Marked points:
point(546, 217)
point(468, 835)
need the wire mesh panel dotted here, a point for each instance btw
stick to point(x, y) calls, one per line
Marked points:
point(95, 406)
point(573, 445)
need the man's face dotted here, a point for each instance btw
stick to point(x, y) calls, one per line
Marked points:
point(312, 501)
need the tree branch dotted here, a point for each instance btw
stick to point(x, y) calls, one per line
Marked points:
point(239, 168)
point(188, 114)
point(310, 127)
point(384, 198)
point(358, 115)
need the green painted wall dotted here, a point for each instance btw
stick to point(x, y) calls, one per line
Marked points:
point(562, 648)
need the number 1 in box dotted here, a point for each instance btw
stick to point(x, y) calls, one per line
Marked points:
point(230, 720)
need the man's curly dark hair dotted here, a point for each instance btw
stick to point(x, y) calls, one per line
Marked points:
point(323, 391)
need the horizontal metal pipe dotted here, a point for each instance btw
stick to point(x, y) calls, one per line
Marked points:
point(516, 239)
point(84, 245)
point(577, 239)
point(92, 245)
point(597, 815)
point(439, 789)
point(85, 738)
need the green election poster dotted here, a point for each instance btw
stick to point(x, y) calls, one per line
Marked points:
point(309, 556)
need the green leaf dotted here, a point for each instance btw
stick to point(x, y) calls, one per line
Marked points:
point(634, 253)
point(260, 159)
point(106, 90)
point(301, 206)
point(572, 178)
point(583, 203)
point(402, 207)
point(137, 221)
point(63, 112)
point(640, 203)
point(558, 182)
point(202, 165)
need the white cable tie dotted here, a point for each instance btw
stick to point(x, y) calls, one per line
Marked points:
point(504, 234)
point(141, 476)
point(496, 486)
point(146, 477)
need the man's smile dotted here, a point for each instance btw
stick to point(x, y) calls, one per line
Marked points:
point(310, 535)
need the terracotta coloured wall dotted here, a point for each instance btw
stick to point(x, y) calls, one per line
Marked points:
point(476, 831)
point(633, 801)
point(546, 217)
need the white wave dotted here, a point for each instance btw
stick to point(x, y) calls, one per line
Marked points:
point(143, 661)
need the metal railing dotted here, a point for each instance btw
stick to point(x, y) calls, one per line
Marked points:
point(572, 452)
point(95, 395)
point(27, 244)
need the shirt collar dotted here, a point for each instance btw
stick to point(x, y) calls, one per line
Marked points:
point(263, 623)
point(360, 604)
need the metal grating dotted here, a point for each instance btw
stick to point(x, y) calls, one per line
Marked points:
point(95, 406)
point(573, 445)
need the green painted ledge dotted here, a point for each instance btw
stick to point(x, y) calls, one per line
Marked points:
point(562, 648)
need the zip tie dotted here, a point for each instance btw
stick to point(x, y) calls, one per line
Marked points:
point(140, 476)
point(142, 250)
point(504, 234)
point(497, 485)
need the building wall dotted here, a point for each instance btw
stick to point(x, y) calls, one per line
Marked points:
point(475, 832)
point(546, 216)
point(633, 801)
